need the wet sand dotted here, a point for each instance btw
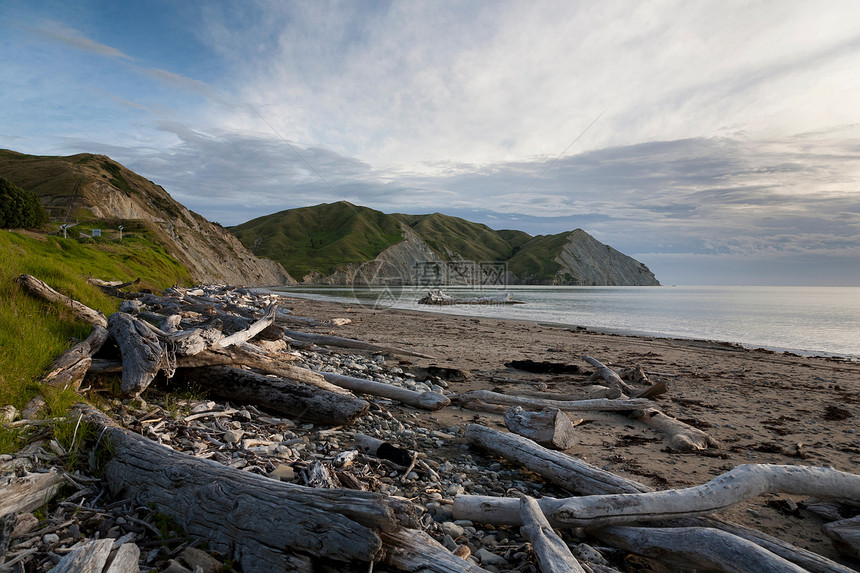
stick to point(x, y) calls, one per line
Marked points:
point(760, 405)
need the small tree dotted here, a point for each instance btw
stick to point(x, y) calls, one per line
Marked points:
point(20, 208)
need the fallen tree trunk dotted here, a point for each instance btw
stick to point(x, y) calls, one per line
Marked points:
point(682, 437)
point(739, 484)
point(595, 404)
point(549, 428)
point(276, 394)
point(142, 353)
point(69, 369)
point(253, 330)
point(329, 340)
point(88, 558)
point(609, 375)
point(258, 520)
point(699, 547)
point(423, 400)
point(414, 550)
point(552, 553)
point(41, 290)
point(28, 492)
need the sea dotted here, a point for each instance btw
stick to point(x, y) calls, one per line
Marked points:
point(812, 321)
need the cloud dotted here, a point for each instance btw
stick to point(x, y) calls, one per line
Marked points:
point(74, 38)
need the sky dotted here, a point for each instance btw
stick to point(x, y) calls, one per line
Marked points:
point(718, 142)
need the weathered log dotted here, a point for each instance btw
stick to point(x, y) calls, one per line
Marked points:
point(41, 290)
point(609, 375)
point(682, 437)
point(329, 340)
point(384, 450)
point(260, 521)
point(845, 535)
point(125, 560)
point(89, 558)
point(276, 394)
point(170, 323)
point(28, 492)
point(552, 553)
point(549, 428)
point(739, 484)
point(423, 400)
point(595, 404)
point(69, 369)
point(142, 353)
point(566, 471)
point(245, 335)
point(698, 547)
point(414, 550)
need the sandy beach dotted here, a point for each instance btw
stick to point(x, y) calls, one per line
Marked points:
point(763, 407)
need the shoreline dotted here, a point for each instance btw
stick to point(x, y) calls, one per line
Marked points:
point(762, 406)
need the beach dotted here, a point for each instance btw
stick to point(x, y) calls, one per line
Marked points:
point(762, 406)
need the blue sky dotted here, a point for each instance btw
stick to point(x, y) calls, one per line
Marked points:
point(717, 142)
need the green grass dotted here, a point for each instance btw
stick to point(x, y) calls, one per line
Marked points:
point(33, 332)
point(534, 258)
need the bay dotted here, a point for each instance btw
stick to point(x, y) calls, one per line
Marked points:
point(804, 320)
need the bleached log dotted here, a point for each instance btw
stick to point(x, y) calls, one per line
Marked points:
point(566, 471)
point(609, 375)
point(29, 492)
point(595, 404)
point(40, 289)
point(549, 428)
point(170, 323)
point(845, 535)
point(125, 560)
point(698, 547)
point(682, 437)
point(89, 558)
point(329, 340)
point(739, 484)
point(276, 394)
point(260, 521)
point(69, 369)
point(423, 400)
point(552, 553)
point(414, 550)
point(142, 353)
point(253, 330)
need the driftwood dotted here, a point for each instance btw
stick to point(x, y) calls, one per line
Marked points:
point(41, 290)
point(125, 560)
point(698, 546)
point(254, 329)
point(423, 400)
point(384, 450)
point(142, 353)
point(549, 428)
point(69, 369)
point(259, 520)
point(438, 297)
point(276, 394)
point(595, 404)
point(609, 375)
point(414, 550)
point(739, 484)
point(682, 437)
point(88, 558)
point(329, 340)
point(28, 492)
point(552, 553)
point(845, 534)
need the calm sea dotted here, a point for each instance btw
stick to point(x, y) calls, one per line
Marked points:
point(805, 320)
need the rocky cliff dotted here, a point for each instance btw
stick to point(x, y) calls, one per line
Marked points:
point(94, 187)
point(586, 261)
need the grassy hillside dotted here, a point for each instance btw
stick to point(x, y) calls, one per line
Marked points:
point(33, 333)
point(472, 241)
point(320, 238)
point(534, 258)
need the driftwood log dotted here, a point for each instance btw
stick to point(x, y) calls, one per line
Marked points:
point(697, 546)
point(549, 428)
point(423, 400)
point(28, 492)
point(552, 553)
point(414, 550)
point(611, 377)
point(40, 289)
point(89, 558)
point(278, 395)
point(259, 520)
point(70, 367)
point(253, 330)
point(142, 353)
point(595, 404)
point(329, 340)
point(739, 484)
point(845, 534)
point(682, 437)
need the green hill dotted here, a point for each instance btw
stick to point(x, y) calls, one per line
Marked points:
point(321, 238)
point(448, 235)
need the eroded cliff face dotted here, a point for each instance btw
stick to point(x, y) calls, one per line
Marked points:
point(585, 261)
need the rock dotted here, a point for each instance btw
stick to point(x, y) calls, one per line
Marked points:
point(233, 436)
point(50, 538)
point(489, 558)
point(26, 523)
point(455, 489)
point(8, 413)
point(452, 529)
point(283, 472)
point(462, 551)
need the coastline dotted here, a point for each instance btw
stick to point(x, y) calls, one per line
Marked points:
point(763, 406)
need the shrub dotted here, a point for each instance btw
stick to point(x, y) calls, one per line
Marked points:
point(20, 208)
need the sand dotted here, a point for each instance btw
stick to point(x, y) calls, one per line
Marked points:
point(759, 404)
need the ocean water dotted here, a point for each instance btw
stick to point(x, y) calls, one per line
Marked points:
point(805, 320)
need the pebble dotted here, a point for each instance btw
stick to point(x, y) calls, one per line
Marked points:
point(283, 472)
point(452, 529)
point(490, 558)
point(233, 436)
point(50, 538)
